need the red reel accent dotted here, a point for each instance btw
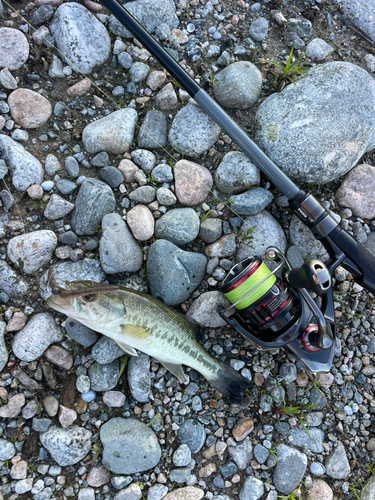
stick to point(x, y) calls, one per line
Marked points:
point(305, 338)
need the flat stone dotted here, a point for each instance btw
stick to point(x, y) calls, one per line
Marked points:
point(193, 132)
point(59, 356)
point(320, 490)
point(290, 469)
point(95, 199)
point(14, 48)
point(81, 37)
point(113, 134)
point(242, 429)
point(67, 446)
point(238, 85)
point(32, 250)
point(318, 49)
point(129, 446)
point(29, 109)
point(104, 377)
point(314, 442)
point(251, 202)
point(337, 464)
point(192, 434)
point(39, 333)
point(7, 80)
point(141, 222)
point(236, 173)
point(80, 88)
point(156, 79)
point(173, 273)
point(355, 192)
point(153, 132)
point(57, 207)
point(13, 408)
point(192, 182)
point(119, 251)
point(98, 476)
point(319, 154)
point(187, 493)
point(139, 377)
point(24, 168)
point(114, 399)
point(252, 489)
point(204, 309)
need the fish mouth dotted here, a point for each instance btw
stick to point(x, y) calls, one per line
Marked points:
point(59, 303)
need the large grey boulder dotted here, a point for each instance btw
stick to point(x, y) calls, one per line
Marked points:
point(361, 13)
point(318, 131)
point(238, 85)
point(149, 13)
point(80, 37)
point(24, 168)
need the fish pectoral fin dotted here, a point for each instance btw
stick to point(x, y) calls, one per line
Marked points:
point(176, 370)
point(135, 331)
point(127, 348)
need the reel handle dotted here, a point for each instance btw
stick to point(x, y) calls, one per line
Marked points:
point(313, 275)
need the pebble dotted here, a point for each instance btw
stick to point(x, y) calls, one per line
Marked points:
point(28, 108)
point(139, 378)
point(187, 493)
point(143, 194)
point(156, 79)
point(288, 372)
point(106, 350)
point(224, 247)
point(13, 408)
point(66, 416)
point(192, 182)
point(204, 309)
point(63, 185)
point(35, 192)
point(59, 356)
point(252, 489)
point(236, 173)
point(290, 469)
point(251, 202)
point(173, 274)
point(17, 322)
point(157, 492)
point(313, 442)
point(67, 446)
point(125, 60)
point(39, 333)
point(318, 49)
point(19, 470)
point(14, 48)
point(51, 405)
point(80, 36)
point(7, 80)
point(242, 429)
point(210, 230)
point(192, 132)
point(7, 450)
point(119, 252)
point(104, 377)
point(95, 199)
point(88, 396)
point(141, 222)
point(192, 434)
point(138, 72)
point(181, 475)
point(98, 476)
point(111, 176)
point(182, 456)
point(166, 98)
point(165, 197)
point(80, 333)
point(337, 464)
point(301, 236)
point(80, 88)
point(114, 399)
point(319, 490)
point(57, 207)
point(83, 384)
point(238, 85)
point(112, 134)
point(317, 469)
point(259, 29)
point(180, 226)
point(153, 132)
point(129, 446)
point(354, 192)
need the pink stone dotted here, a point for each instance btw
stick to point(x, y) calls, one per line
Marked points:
point(319, 490)
point(14, 48)
point(28, 108)
point(156, 79)
point(93, 6)
point(80, 88)
point(54, 3)
point(114, 399)
point(17, 322)
point(19, 470)
point(98, 476)
point(128, 169)
point(357, 191)
point(13, 407)
point(192, 182)
point(141, 222)
point(59, 357)
point(66, 416)
point(242, 429)
point(35, 191)
point(63, 252)
point(166, 98)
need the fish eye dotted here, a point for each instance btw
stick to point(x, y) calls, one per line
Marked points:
point(88, 298)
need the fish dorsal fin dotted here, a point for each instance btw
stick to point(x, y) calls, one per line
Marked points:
point(78, 285)
point(127, 348)
point(135, 331)
point(176, 370)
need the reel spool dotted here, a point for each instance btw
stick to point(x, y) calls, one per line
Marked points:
point(272, 313)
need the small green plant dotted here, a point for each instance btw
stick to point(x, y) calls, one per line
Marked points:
point(124, 360)
point(245, 236)
point(213, 80)
point(157, 416)
point(353, 490)
point(97, 449)
point(204, 217)
point(290, 70)
point(288, 411)
point(292, 496)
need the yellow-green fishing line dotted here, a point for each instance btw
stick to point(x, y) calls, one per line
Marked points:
point(247, 285)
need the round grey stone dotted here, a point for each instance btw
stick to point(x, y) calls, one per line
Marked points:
point(153, 132)
point(139, 377)
point(182, 456)
point(162, 173)
point(52, 164)
point(100, 160)
point(125, 60)
point(180, 476)
point(210, 230)
point(180, 226)
point(252, 489)
point(236, 173)
point(165, 197)
point(143, 194)
point(193, 132)
point(258, 29)
point(238, 85)
point(138, 72)
point(7, 450)
point(104, 377)
point(173, 273)
point(68, 238)
point(261, 453)
point(65, 186)
point(290, 469)
point(67, 446)
point(288, 372)
point(106, 350)
point(71, 166)
point(80, 333)
point(318, 49)
point(192, 433)
point(313, 153)
point(111, 176)
point(129, 446)
point(94, 200)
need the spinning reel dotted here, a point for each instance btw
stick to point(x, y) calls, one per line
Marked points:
point(272, 312)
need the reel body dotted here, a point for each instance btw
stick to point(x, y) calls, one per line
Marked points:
point(271, 313)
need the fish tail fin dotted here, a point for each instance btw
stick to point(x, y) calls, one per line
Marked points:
point(230, 383)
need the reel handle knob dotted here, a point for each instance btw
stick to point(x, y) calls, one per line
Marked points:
point(313, 275)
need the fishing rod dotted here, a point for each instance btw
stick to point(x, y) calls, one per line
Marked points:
point(272, 312)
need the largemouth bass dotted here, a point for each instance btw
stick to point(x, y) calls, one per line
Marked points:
point(137, 321)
